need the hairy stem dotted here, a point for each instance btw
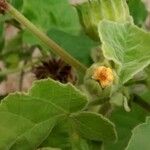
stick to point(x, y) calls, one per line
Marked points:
point(45, 39)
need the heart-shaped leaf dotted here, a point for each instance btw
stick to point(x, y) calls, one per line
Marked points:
point(127, 45)
point(27, 119)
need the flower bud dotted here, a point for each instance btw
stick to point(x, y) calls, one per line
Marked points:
point(104, 75)
point(91, 12)
point(100, 81)
point(89, 15)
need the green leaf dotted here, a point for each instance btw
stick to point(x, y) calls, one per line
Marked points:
point(140, 137)
point(18, 131)
point(59, 136)
point(144, 95)
point(48, 148)
point(79, 143)
point(95, 127)
point(126, 45)
point(17, 3)
point(56, 14)
point(63, 98)
point(125, 122)
point(138, 11)
point(94, 11)
point(27, 119)
point(78, 46)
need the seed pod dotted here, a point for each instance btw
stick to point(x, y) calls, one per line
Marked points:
point(100, 81)
point(3, 6)
point(56, 69)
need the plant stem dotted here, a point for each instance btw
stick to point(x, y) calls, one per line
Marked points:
point(137, 99)
point(45, 39)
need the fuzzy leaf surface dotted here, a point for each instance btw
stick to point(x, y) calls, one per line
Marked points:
point(90, 13)
point(127, 46)
point(94, 127)
point(125, 122)
point(27, 119)
point(140, 137)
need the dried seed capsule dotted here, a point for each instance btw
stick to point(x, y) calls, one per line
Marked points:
point(57, 69)
point(3, 6)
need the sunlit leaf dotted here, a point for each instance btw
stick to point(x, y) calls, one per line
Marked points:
point(125, 122)
point(138, 11)
point(27, 119)
point(93, 11)
point(140, 137)
point(127, 46)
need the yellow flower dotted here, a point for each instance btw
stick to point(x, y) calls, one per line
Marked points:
point(104, 75)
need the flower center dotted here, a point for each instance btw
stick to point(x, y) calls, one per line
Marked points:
point(104, 75)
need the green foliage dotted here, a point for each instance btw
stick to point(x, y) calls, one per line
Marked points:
point(127, 46)
point(49, 15)
point(125, 122)
point(17, 3)
point(91, 12)
point(22, 115)
point(48, 148)
point(55, 10)
point(94, 127)
point(56, 116)
point(78, 46)
point(138, 11)
point(140, 137)
point(38, 111)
